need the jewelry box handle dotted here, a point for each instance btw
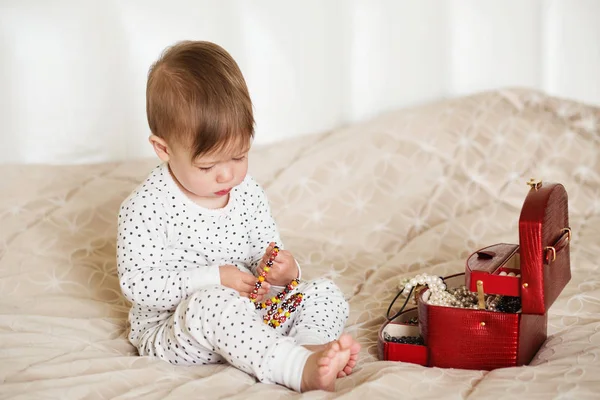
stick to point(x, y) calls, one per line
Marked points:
point(562, 242)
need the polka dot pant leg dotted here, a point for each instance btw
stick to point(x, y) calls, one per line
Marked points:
point(214, 325)
point(322, 315)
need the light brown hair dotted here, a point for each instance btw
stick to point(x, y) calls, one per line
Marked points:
point(196, 95)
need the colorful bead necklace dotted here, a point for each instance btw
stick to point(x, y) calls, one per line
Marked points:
point(279, 309)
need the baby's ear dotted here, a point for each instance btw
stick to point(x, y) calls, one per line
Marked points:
point(160, 147)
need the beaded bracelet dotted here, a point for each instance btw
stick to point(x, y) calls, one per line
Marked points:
point(280, 309)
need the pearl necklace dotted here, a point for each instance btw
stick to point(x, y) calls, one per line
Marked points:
point(437, 288)
point(459, 297)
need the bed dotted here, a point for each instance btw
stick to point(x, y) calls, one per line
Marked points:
point(414, 190)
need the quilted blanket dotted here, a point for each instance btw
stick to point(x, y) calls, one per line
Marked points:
point(415, 190)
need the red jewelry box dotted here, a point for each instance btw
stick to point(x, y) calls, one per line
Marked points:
point(483, 339)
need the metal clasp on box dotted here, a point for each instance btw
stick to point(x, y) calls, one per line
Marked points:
point(534, 183)
point(568, 231)
point(550, 254)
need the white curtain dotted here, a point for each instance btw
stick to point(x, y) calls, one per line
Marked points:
point(72, 72)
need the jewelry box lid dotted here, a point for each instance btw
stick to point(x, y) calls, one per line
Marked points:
point(544, 241)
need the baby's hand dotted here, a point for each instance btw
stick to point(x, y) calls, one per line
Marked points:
point(243, 282)
point(284, 268)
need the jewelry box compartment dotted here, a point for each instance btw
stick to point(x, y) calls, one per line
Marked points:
point(390, 350)
point(496, 268)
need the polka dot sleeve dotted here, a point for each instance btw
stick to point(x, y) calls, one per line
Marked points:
point(263, 229)
point(145, 278)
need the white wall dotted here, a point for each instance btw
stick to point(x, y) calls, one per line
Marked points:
point(72, 72)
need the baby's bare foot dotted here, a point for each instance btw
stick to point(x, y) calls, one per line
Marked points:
point(354, 347)
point(322, 367)
point(348, 342)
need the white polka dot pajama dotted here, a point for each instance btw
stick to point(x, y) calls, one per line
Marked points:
point(169, 251)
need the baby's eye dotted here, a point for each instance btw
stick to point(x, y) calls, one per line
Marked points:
point(206, 169)
point(239, 158)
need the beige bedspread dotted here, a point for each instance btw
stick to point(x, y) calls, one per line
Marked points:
point(414, 190)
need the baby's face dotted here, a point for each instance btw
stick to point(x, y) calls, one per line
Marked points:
point(209, 178)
